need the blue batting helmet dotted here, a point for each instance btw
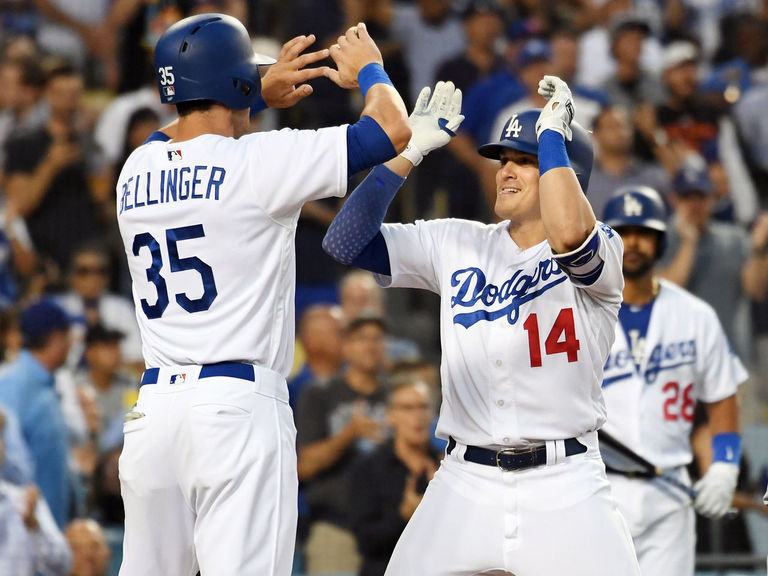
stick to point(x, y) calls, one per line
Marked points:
point(640, 206)
point(208, 57)
point(519, 133)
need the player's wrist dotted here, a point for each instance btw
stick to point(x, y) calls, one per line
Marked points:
point(412, 153)
point(370, 75)
point(552, 152)
point(726, 448)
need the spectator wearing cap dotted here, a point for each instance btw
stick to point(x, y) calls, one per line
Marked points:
point(336, 425)
point(27, 388)
point(630, 84)
point(30, 541)
point(717, 261)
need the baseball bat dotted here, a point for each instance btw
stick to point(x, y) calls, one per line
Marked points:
point(641, 468)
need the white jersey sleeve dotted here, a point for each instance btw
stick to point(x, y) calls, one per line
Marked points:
point(415, 252)
point(721, 370)
point(285, 190)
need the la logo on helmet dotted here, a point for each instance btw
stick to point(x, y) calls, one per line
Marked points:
point(513, 128)
point(632, 207)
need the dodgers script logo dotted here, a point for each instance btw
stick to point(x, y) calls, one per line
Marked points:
point(504, 300)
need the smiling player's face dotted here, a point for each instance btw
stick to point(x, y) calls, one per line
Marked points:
point(517, 186)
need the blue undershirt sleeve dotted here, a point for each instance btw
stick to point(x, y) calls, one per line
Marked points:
point(367, 145)
point(157, 136)
point(354, 237)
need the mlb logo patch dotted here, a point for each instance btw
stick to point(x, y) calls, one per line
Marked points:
point(178, 378)
point(169, 91)
point(174, 155)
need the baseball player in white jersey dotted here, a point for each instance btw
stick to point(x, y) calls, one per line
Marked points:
point(528, 308)
point(208, 470)
point(670, 352)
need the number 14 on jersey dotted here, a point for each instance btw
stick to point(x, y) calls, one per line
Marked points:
point(561, 338)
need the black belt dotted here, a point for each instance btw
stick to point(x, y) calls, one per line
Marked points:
point(515, 458)
point(228, 369)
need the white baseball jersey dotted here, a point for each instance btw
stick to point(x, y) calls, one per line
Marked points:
point(523, 342)
point(209, 226)
point(685, 358)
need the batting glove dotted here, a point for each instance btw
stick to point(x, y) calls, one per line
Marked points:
point(715, 490)
point(765, 497)
point(434, 121)
point(557, 114)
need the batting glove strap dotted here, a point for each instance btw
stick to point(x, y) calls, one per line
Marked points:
point(715, 490)
point(434, 120)
point(558, 113)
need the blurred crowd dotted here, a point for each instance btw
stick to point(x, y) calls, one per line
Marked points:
point(675, 93)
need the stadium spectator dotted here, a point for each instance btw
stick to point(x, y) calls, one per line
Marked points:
point(30, 541)
point(90, 552)
point(616, 164)
point(630, 84)
point(717, 261)
point(27, 389)
point(320, 336)
point(386, 485)
point(88, 303)
point(21, 105)
point(48, 173)
point(337, 424)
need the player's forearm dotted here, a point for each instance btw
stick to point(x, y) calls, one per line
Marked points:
point(385, 105)
point(723, 416)
point(567, 215)
point(359, 220)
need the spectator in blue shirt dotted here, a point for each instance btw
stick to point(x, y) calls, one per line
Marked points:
point(27, 389)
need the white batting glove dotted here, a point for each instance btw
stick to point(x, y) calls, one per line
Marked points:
point(434, 121)
point(558, 112)
point(716, 490)
point(765, 497)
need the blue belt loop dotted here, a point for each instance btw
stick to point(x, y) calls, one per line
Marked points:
point(238, 370)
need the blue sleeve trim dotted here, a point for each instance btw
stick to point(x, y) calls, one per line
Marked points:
point(157, 136)
point(584, 264)
point(367, 145)
point(726, 447)
point(359, 220)
point(258, 106)
point(375, 256)
point(371, 74)
point(552, 152)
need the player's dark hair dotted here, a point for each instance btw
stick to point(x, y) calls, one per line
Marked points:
point(187, 108)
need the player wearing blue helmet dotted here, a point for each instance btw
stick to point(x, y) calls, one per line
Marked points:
point(669, 353)
point(527, 315)
point(208, 217)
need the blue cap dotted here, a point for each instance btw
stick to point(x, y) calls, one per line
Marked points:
point(41, 318)
point(693, 178)
point(534, 50)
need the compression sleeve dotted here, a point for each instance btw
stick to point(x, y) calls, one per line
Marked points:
point(354, 236)
point(367, 145)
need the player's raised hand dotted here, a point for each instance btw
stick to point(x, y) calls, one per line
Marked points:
point(557, 114)
point(352, 52)
point(279, 85)
point(434, 120)
point(715, 490)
